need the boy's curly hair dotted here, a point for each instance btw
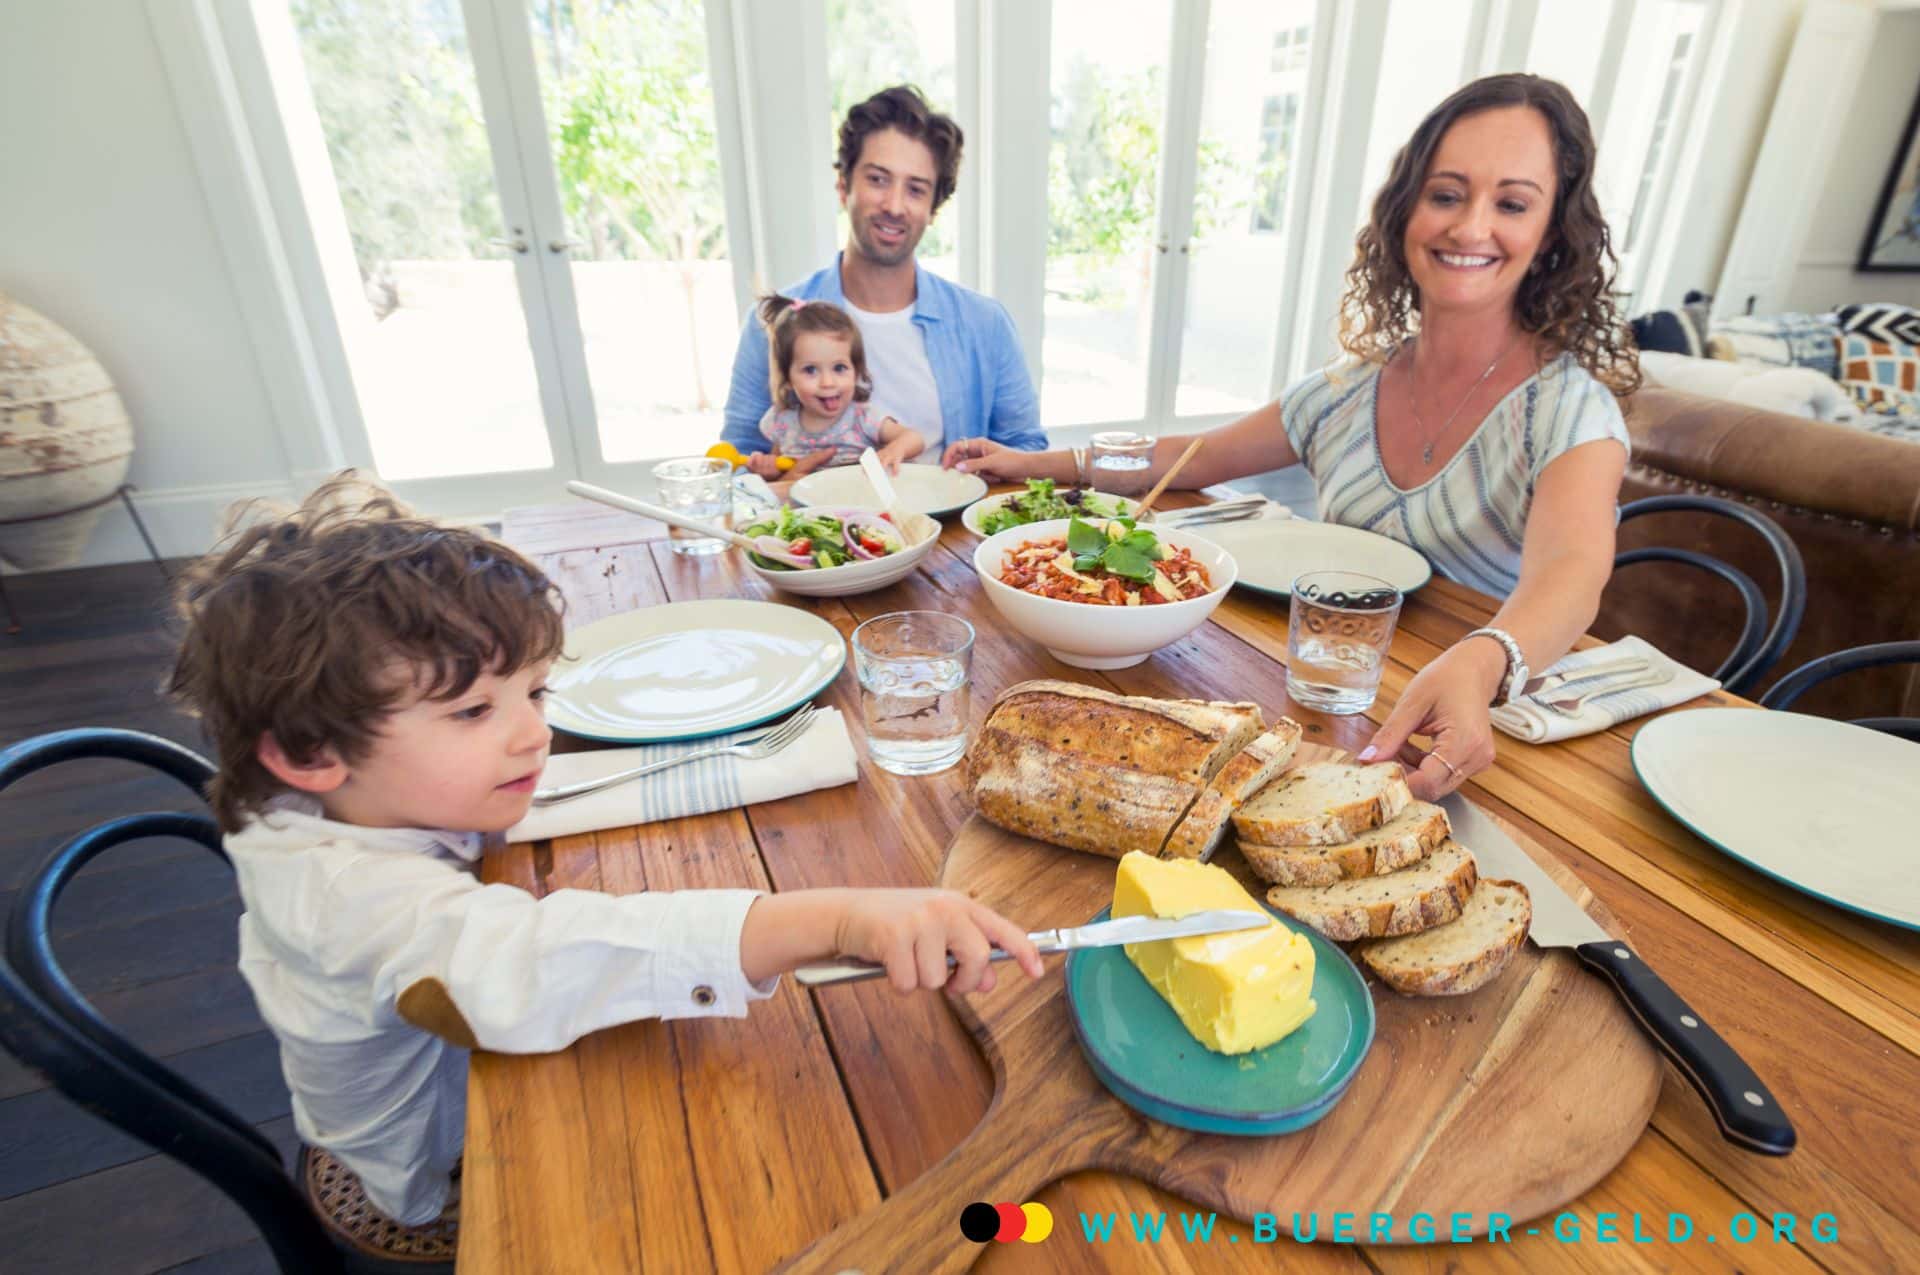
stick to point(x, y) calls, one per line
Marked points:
point(314, 623)
point(1566, 298)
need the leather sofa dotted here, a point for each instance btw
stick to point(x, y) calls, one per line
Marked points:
point(1851, 502)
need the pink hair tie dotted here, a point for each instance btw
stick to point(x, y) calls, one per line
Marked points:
point(796, 305)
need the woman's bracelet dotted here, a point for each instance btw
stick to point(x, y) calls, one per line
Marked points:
point(1514, 680)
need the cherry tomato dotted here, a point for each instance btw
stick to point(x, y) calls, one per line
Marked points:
point(804, 545)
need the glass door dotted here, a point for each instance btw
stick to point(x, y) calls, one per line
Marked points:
point(442, 361)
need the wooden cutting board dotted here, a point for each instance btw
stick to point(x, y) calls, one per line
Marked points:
point(1512, 1100)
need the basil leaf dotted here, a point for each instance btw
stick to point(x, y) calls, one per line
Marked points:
point(1129, 562)
point(1087, 562)
point(1084, 537)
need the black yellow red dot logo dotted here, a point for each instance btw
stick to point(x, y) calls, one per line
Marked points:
point(1006, 1223)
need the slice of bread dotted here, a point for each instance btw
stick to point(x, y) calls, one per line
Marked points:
point(1181, 739)
point(1400, 842)
point(1249, 770)
point(1432, 892)
point(1329, 803)
point(1460, 956)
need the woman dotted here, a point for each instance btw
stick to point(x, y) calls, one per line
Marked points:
point(1484, 432)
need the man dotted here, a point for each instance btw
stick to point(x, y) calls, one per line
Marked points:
point(945, 360)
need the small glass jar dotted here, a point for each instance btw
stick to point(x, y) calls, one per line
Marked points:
point(1120, 462)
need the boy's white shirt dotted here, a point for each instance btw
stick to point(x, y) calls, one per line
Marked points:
point(342, 922)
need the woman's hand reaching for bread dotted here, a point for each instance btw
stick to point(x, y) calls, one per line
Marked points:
point(1447, 702)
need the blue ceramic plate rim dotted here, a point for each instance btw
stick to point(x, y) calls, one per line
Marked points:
point(1633, 753)
point(1143, 1101)
point(641, 737)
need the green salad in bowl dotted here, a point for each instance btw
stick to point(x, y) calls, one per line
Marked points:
point(1042, 501)
point(812, 538)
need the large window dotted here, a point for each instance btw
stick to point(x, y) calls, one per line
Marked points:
point(440, 357)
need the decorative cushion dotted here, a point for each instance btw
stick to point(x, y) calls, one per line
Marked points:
point(1882, 376)
point(1682, 331)
point(1882, 321)
point(337, 1198)
point(1781, 340)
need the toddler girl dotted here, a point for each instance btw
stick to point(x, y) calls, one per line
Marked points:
point(820, 385)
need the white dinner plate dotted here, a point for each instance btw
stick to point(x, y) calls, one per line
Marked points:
point(688, 669)
point(1824, 806)
point(923, 489)
point(1272, 552)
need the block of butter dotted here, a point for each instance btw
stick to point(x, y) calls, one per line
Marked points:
point(1235, 992)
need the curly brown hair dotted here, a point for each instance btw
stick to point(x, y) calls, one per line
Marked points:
point(295, 621)
point(905, 110)
point(1566, 300)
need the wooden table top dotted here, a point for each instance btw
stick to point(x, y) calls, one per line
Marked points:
point(731, 1144)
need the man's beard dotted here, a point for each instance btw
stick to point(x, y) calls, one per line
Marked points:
point(873, 251)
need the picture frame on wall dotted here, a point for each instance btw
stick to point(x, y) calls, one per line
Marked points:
point(1893, 236)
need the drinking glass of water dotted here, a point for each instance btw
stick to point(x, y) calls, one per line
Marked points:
point(913, 668)
point(698, 487)
point(1339, 626)
point(1119, 462)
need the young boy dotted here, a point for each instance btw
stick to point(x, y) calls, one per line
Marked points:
point(372, 683)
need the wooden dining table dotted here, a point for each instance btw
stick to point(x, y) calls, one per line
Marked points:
point(732, 1144)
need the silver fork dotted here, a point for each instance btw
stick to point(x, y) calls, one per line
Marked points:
point(755, 749)
point(1571, 705)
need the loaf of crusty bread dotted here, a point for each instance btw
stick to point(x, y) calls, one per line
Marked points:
point(1432, 892)
point(1181, 739)
point(1401, 841)
point(1246, 773)
point(1094, 805)
point(1329, 803)
point(1463, 955)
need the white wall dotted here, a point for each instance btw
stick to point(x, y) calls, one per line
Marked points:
point(1856, 167)
point(105, 229)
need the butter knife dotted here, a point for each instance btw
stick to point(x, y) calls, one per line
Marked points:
point(1745, 1109)
point(1128, 929)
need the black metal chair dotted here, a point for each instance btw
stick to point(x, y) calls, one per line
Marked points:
point(1760, 646)
point(50, 1026)
point(1813, 672)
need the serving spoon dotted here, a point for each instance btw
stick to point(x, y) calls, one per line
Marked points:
point(672, 519)
point(882, 485)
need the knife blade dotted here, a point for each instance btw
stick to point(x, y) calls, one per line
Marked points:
point(1745, 1109)
point(1126, 929)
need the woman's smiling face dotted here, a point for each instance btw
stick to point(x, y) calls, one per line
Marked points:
point(1483, 212)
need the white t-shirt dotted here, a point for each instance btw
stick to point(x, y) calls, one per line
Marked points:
point(903, 385)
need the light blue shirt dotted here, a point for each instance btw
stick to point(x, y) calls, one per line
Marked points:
point(972, 346)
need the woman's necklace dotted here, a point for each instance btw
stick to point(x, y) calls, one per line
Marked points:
point(1426, 450)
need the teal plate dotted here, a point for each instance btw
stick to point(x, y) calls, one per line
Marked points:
point(1147, 1058)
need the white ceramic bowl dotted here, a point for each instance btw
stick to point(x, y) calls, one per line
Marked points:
point(1099, 637)
point(974, 516)
point(922, 534)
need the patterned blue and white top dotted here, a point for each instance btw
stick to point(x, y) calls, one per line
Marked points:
point(1469, 518)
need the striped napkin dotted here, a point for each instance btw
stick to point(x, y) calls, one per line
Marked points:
point(1524, 719)
point(821, 758)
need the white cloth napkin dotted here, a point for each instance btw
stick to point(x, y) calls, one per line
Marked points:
point(821, 758)
point(1526, 720)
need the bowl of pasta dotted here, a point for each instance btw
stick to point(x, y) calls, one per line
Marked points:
point(1102, 593)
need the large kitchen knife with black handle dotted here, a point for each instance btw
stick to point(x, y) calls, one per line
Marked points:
point(1746, 1110)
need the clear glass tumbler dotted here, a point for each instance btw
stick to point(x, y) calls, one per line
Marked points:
point(1118, 461)
point(698, 487)
point(913, 668)
point(1339, 626)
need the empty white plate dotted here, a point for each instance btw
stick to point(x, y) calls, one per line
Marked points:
point(1824, 806)
point(1273, 552)
point(688, 669)
point(923, 489)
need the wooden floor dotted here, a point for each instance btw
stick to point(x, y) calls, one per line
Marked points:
point(148, 933)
